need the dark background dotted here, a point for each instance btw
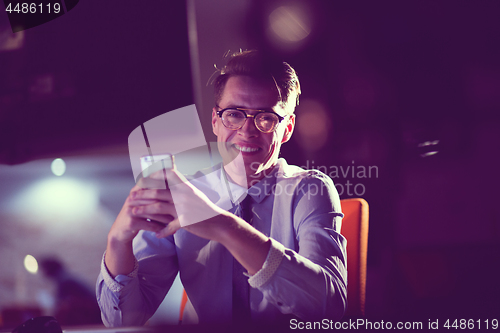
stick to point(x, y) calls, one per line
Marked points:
point(409, 87)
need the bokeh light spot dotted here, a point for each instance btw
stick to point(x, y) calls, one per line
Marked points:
point(31, 264)
point(58, 167)
point(290, 23)
point(430, 153)
point(314, 125)
point(59, 198)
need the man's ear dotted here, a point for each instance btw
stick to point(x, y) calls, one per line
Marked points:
point(289, 128)
point(214, 121)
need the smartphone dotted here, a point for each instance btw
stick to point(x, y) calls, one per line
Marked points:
point(153, 163)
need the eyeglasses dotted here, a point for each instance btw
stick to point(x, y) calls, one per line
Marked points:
point(234, 118)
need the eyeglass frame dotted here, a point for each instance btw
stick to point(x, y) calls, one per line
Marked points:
point(220, 112)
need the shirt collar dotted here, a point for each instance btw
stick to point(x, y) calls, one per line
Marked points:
point(258, 192)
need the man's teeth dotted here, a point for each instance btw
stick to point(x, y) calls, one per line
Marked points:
point(246, 149)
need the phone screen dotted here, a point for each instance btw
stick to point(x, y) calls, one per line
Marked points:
point(153, 163)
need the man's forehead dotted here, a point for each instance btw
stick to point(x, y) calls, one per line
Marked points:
point(246, 91)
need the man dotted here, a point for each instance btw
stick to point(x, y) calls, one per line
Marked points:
point(254, 239)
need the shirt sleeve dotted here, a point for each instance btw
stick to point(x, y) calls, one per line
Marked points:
point(116, 284)
point(271, 264)
point(310, 279)
point(130, 300)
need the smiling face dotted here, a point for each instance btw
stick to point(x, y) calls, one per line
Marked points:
point(259, 151)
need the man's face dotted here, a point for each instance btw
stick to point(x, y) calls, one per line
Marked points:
point(259, 150)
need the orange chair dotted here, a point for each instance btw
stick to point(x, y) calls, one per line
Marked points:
point(355, 230)
point(183, 305)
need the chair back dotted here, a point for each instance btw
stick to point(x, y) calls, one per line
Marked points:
point(355, 230)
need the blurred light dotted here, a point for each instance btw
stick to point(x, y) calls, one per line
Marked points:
point(31, 264)
point(428, 143)
point(11, 41)
point(428, 154)
point(58, 167)
point(42, 87)
point(290, 24)
point(57, 198)
point(312, 125)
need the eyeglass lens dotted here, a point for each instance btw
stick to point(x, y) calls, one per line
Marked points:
point(235, 119)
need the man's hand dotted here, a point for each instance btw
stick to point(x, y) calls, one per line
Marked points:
point(131, 218)
point(198, 215)
point(119, 255)
point(190, 208)
point(177, 205)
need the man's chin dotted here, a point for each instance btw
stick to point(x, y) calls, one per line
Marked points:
point(252, 169)
point(257, 169)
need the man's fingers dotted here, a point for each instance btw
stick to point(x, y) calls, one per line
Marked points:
point(142, 224)
point(170, 229)
point(158, 175)
point(134, 202)
point(155, 208)
point(155, 194)
point(152, 183)
point(160, 219)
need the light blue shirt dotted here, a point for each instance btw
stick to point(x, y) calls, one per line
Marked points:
point(304, 274)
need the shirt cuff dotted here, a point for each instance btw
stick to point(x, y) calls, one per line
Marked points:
point(116, 284)
point(273, 260)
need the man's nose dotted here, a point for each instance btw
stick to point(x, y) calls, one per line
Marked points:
point(248, 128)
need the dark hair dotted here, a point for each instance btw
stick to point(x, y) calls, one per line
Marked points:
point(252, 63)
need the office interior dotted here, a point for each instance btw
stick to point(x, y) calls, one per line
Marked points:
point(400, 106)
